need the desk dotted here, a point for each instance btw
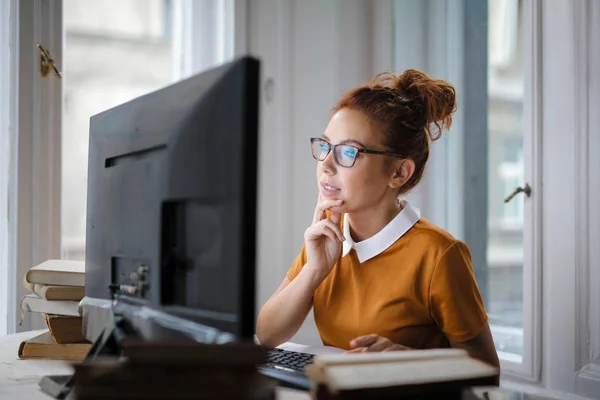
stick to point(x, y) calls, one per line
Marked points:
point(19, 378)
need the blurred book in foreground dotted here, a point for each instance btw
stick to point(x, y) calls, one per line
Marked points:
point(438, 373)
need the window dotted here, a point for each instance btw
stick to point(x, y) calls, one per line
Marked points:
point(481, 160)
point(111, 55)
point(114, 54)
point(505, 173)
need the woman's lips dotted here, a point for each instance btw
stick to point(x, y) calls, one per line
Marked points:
point(329, 190)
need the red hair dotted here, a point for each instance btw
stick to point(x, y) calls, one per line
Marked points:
point(412, 109)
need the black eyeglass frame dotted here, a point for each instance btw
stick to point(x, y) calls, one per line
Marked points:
point(332, 147)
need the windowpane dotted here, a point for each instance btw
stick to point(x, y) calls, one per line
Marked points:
point(112, 54)
point(505, 173)
point(477, 46)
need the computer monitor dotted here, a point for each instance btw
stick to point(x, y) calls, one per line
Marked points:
point(172, 197)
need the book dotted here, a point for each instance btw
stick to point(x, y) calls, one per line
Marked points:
point(58, 272)
point(53, 292)
point(34, 303)
point(42, 346)
point(416, 373)
point(65, 329)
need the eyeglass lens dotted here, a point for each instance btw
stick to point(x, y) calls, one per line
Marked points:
point(344, 155)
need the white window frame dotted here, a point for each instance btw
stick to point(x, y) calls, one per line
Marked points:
point(530, 368)
point(36, 185)
point(209, 34)
point(8, 159)
point(570, 117)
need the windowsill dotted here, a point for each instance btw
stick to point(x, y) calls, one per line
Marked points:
point(535, 390)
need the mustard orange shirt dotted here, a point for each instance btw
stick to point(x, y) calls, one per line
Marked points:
point(412, 283)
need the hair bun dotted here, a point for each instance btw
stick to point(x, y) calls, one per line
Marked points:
point(436, 99)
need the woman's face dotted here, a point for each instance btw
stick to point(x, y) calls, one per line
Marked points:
point(367, 183)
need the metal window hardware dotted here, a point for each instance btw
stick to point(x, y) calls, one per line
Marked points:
point(47, 63)
point(269, 90)
point(526, 190)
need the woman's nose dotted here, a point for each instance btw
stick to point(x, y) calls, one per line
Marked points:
point(328, 164)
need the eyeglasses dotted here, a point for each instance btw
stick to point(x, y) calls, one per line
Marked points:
point(343, 154)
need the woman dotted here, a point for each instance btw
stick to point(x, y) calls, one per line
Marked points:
point(379, 277)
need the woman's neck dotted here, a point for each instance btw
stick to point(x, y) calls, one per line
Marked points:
point(365, 224)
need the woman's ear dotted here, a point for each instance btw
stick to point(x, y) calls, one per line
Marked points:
point(401, 173)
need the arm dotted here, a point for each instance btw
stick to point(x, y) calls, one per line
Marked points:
point(283, 314)
point(457, 306)
point(481, 347)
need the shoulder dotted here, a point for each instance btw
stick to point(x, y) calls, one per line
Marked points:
point(432, 236)
point(431, 243)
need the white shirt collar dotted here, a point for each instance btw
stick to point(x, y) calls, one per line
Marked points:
point(383, 239)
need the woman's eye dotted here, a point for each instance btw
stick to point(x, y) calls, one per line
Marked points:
point(349, 153)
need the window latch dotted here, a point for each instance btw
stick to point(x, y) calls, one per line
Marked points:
point(47, 63)
point(526, 190)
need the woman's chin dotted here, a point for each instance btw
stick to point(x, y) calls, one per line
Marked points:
point(339, 210)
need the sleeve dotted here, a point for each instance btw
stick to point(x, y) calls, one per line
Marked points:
point(455, 302)
point(297, 265)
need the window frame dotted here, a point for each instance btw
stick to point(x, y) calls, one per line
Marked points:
point(36, 174)
point(209, 34)
point(530, 368)
point(8, 141)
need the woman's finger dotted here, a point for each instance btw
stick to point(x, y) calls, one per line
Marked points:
point(319, 230)
point(357, 350)
point(396, 347)
point(336, 218)
point(380, 344)
point(318, 215)
point(334, 227)
point(327, 231)
point(364, 341)
point(322, 206)
point(313, 232)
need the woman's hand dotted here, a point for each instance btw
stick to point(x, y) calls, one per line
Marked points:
point(323, 239)
point(374, 342)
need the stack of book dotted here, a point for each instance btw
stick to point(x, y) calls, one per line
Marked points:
point(412, 374)
point(57, 287)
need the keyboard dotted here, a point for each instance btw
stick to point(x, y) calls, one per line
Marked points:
point(287, 367)
point(290, 360)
